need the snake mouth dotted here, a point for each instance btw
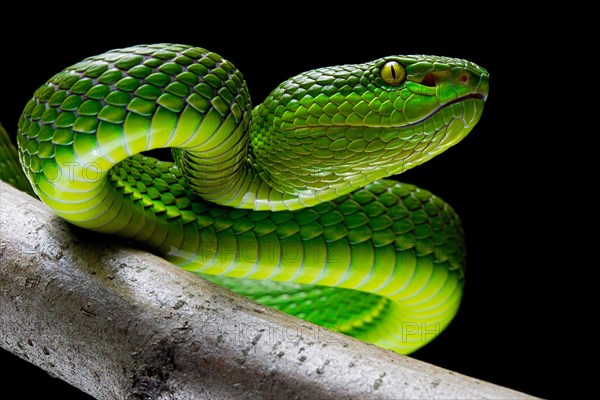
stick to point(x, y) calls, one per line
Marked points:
point(479, 96)
point(470, 96)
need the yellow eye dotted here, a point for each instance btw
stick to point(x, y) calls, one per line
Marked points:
point(392, 73)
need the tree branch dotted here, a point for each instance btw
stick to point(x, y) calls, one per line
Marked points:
point(122, 323)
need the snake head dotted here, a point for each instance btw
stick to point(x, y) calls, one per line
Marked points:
point(332, 130)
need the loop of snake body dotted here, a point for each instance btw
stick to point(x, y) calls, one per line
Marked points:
point(285, 202)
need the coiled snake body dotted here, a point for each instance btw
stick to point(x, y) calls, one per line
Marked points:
point(288, 197)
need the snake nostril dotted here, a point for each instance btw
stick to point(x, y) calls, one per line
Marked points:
point(429, 80)
point(464, 77)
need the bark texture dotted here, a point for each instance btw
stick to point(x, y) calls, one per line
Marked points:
point(122, 323)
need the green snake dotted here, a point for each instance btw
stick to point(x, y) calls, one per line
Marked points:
point(286, 202)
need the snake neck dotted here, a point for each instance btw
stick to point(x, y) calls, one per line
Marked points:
point(226, 168)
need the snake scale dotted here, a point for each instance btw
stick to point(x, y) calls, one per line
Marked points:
point(285, 203)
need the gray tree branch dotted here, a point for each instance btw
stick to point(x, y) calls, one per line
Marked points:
point(122, 323)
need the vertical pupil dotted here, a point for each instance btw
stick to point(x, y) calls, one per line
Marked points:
point(392, 67)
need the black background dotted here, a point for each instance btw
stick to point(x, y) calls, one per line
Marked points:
point(506, 331)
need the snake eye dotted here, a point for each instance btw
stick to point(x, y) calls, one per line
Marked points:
point(392, 73)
